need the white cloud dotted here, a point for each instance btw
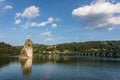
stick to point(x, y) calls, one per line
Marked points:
point(110, 28)
point(18, 21)
point(27, 25)
point(54, 25)
point(46, 34)
point(2, 0)
point(29, 12)
point(8, 7)
point(2, 36)
point(18, 14)
point(49, 40)
point(50, 20)
point(28, 36)
point(99, 14)
point(41, 24)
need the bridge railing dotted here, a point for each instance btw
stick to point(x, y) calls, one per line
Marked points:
point(95, 54)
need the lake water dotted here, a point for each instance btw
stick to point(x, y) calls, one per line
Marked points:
point(54, 67)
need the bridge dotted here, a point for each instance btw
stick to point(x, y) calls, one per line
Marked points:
point(95, 54)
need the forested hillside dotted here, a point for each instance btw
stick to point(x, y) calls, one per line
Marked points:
point(90, 46)
point(80, 46)
point(7, 49)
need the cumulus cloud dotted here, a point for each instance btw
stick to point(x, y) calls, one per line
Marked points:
point(46, 34)
point(49, 40)
point(54, 25)
point(41, 24)
point(29, 12)
point(18, 21)
point(99, 14)
point(8, 7)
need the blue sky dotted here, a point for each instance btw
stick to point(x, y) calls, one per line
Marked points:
point(59, 21)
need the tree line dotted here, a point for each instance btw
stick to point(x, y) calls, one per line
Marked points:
point(90, 46)
point(7, 49)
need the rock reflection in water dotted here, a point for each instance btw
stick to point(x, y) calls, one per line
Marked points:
point(26, 66)
point(46, 59)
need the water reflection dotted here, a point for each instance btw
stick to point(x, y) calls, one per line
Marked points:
point(55, 67)
point(26, 66)
point(46, 59)
point(5, 61)
point(76, 61)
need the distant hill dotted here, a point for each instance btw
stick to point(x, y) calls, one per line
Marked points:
point(7, 49)
point(90, 46)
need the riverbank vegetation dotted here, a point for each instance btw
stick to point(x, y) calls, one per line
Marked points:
point(7, 49)
point(90, 46)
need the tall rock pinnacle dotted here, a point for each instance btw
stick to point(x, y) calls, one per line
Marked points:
point(27, 50)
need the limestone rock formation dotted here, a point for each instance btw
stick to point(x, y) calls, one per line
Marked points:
point(27, 50)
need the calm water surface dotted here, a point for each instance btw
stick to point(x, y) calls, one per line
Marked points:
point(54, 67)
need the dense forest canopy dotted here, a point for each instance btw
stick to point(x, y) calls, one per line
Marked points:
point(90, 46)
point(7, 49)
